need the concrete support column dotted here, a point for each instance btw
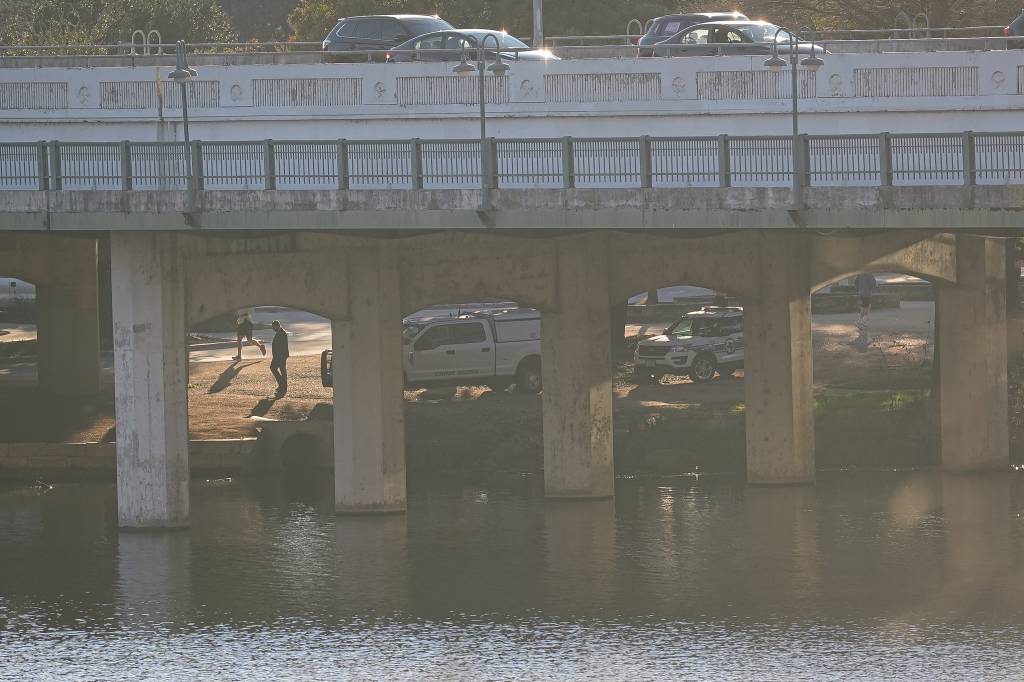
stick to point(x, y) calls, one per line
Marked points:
point(67, 319)
point(577, 374)
point(150, 380)
point(369, 429)
point(972, 359)
point(778, 370)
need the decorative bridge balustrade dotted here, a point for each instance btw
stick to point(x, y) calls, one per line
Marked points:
point(723, 161)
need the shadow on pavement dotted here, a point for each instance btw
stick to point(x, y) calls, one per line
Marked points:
point(229, 373)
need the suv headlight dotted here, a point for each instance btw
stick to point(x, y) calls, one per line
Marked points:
point(326, 43)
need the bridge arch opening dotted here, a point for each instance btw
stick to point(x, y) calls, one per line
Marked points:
point(678, 388)
point(873, 336)
point(50, 370)
point(234, 387)
point(472, 380)
point(18, 334)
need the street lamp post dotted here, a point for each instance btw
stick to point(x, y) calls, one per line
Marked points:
point(498, 68)
point(776, 64)
point(181, 75)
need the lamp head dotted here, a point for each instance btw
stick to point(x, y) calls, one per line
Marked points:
point(813, 63)
point(463, 66)
point(775, 63)
point(182, 73)
point(498, 68)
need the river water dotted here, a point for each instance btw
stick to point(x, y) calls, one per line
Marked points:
point(860, 577)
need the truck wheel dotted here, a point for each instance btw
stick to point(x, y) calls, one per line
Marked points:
point(703, 368)
point(528, 379)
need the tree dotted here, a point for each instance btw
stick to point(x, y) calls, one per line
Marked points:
point(48, 22)
point(77, 22)
point(195, 21)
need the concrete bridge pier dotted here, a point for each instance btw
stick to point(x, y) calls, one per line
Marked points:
point(778, 369)
point(150, 380)
point(577, 374)
point(971, 332)
point(369, 430)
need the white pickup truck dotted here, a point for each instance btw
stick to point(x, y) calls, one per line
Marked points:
point(493, 348)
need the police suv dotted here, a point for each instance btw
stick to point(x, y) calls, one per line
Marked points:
point(699, 343)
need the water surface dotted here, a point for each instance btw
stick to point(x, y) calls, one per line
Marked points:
point(861, 577)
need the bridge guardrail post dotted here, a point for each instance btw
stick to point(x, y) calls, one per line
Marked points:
point(568, 164)
point(126, 165)
point(55, 171)
point(42, 167)
point(885, 159)
point(803, 159)
point(195, 178)
point(342, 149)
point(724, 162)
point(416, 149)
point(492, 162)
point(646, 174)
point(970, 164)
point(269, 171)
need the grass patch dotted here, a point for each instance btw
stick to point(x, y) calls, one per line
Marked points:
point(845, 402)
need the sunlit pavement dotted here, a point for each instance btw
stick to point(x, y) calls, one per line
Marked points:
point(309, 334)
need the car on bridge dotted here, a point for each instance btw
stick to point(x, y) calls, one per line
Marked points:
point(495, 348)
point(1015, 29)
point(698, 344)
point(667, 26)
point(733, 38)
point(450, 46)
point(379, 32)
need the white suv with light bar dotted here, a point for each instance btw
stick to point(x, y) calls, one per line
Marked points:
point(698, 344)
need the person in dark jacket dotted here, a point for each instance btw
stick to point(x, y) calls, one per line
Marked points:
point(866, 285)
point(279, 358)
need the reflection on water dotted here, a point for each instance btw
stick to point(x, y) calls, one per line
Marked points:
point(858, 577)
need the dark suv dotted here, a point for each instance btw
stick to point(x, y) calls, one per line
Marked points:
point(380, 32)
point(667, 26)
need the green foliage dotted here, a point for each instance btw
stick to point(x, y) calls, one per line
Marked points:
point(48, 22)
point(62, 22)
point(195, 21)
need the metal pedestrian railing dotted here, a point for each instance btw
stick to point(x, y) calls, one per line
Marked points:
point(640, 162)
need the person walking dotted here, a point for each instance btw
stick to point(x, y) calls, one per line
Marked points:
point(866, 285)
point(279, 358)
point(243, 328)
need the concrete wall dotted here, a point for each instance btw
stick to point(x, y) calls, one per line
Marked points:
point(866, 93)
point(933, 209)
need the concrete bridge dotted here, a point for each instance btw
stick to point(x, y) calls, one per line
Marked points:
point(164, 281)
point(341, 218)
